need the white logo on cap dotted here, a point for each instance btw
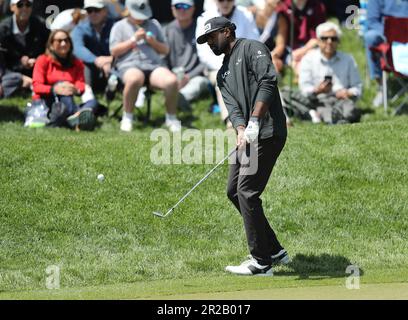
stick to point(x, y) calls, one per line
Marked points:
point(207, 27)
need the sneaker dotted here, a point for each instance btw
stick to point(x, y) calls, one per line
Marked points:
point(281, 257)
point(126, 125)
point(251, 267)
point(379, 99)
point(173, 125)
point(83, 119)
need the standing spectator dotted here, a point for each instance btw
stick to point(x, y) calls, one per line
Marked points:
point(59, 76)
point(91, 43)
point(180, 35)
point(330, 78)
point(23, 36)
point(137, 42)
point(308, 14)
point(376, 11)
point(246, 28)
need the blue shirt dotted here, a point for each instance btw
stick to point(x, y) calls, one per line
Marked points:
point(377, 9)
point(88, 44)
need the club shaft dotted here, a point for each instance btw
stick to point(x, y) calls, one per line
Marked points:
point(201, 181)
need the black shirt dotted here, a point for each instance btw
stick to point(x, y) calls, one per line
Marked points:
point(247, 75)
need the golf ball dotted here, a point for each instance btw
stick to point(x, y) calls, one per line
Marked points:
point(101, 177)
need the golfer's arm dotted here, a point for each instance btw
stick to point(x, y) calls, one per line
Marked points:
point(260, 109)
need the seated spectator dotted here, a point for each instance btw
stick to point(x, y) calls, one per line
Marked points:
point(308, 14)
point(376, 10)
point(246, 28)
point(275, 32)
point(91, 43)
point(23, 37)
point(180, 35)
point(330, 78)
point(137, 43)
point(11, 82)
point(68, 19)
point(59, 76)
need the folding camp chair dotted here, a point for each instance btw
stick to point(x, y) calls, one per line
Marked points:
point(395, 30)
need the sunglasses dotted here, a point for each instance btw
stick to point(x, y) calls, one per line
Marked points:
point(24, 4)
point(66, 40)
point(182, 6)
point(91, 10)
point(333, 39)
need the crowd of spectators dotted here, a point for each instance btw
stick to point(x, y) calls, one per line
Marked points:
point(152, 43)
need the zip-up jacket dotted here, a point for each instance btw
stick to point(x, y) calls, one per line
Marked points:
point(247, 75)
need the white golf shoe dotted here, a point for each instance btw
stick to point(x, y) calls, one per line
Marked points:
point(251, 267)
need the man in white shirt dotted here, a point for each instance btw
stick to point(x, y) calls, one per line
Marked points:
point(245, 28)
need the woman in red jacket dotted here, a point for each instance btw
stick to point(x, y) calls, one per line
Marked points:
point(57, 77)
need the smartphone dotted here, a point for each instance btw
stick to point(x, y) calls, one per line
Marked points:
point(328, 79)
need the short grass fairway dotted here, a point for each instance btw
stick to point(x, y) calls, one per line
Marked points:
point(337, 198)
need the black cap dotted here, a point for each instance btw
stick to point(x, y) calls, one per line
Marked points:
point(212, 25)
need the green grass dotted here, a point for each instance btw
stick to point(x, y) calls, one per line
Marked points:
point(337, 197)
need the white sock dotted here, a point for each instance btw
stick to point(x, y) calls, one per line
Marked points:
point(128, 116)
point(171, 117)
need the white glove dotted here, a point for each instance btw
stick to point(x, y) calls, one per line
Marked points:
point(252, 130)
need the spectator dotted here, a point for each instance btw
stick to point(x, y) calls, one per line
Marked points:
point(137, 42)
point(68, 19)
point(275, 32)
point(91, 43)
point(11, 82)
point(23, 36)
point(246, 28)
point(376, 10)
point(58, 76)
point(330, 78)
point(308, 14)
point(180, 35)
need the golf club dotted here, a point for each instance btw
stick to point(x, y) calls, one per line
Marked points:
point(161, 215)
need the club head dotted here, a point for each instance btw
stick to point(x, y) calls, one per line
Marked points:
point(158, 214)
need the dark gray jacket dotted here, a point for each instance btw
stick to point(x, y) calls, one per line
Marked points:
point(247, 75)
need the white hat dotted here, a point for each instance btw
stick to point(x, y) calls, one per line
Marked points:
point(16, 1)
point(139, 9)
point(94, 4)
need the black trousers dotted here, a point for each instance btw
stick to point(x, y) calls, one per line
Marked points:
point(244, 191)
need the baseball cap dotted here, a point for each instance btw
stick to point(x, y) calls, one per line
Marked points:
point(17, 1)
point(189, 2)
point(139, 9)
point(212, 25)
point(94, 4)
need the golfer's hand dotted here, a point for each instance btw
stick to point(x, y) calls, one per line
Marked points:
point(241, 142)
point(252, 130)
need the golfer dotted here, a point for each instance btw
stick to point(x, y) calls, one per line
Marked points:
point(248, 83)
